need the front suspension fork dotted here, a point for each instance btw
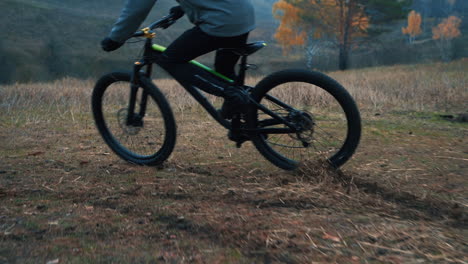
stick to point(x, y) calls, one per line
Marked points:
point(132, 118)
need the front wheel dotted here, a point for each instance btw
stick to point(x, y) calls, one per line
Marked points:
point(326, 116)
point(148, 137)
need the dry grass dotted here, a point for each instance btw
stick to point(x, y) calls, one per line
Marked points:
point(401, 199)
point(434, 87)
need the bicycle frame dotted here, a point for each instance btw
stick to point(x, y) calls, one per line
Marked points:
point(147, 62)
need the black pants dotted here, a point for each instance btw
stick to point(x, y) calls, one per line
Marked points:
point(193, 43)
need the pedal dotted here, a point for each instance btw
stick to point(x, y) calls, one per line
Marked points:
point(239, 139)
point(235, 133)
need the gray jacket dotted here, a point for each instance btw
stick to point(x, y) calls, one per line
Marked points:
point(222, 18)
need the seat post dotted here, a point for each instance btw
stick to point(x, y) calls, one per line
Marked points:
point(240, 81)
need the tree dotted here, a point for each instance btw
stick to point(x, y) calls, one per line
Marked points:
point(342, 21)
point(286, 35)
point(448, 29)
point(414, 26)
point(443, 33)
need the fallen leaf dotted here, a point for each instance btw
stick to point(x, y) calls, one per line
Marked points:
point(55, 261)
point(83, 147)
point(330, 237)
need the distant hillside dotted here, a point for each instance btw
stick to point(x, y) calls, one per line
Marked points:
point(46, 39)
point(42, 40)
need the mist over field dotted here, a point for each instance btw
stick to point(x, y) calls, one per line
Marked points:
point(50, 39)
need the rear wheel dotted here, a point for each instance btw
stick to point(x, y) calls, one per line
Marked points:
point(327, 118)
point(145, 140)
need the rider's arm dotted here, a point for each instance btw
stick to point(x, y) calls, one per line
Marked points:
point(133, 14)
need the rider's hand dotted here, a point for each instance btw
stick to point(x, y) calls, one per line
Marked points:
point(177, 12)
point(108, 44)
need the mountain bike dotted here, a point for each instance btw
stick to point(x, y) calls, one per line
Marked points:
point(292, 115)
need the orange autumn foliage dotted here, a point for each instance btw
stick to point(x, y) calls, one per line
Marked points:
point(286, 35)
point(449, 28)
point(414, 25)
point(342, 19)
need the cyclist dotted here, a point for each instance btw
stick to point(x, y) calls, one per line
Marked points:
point(218, 24)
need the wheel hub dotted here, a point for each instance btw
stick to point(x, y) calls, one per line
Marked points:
point(131, 130)
point(305, 123)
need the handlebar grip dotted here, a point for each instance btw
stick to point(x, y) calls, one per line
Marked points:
point(176, 12)
point(138, 34)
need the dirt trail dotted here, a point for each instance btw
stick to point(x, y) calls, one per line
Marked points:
point(65, 196)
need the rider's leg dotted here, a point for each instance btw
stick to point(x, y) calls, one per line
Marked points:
point(193, 43)
point(226, 60)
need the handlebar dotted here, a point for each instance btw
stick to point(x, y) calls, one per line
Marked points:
point(164, 23)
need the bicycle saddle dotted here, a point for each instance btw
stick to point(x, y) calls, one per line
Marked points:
point(248, 49)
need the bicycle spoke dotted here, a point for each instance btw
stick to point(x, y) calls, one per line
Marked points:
point(311, 108)
point(141, 140)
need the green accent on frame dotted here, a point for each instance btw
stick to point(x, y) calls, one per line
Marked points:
point(160, 48)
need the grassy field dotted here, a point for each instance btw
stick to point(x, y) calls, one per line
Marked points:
point(66, 198)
